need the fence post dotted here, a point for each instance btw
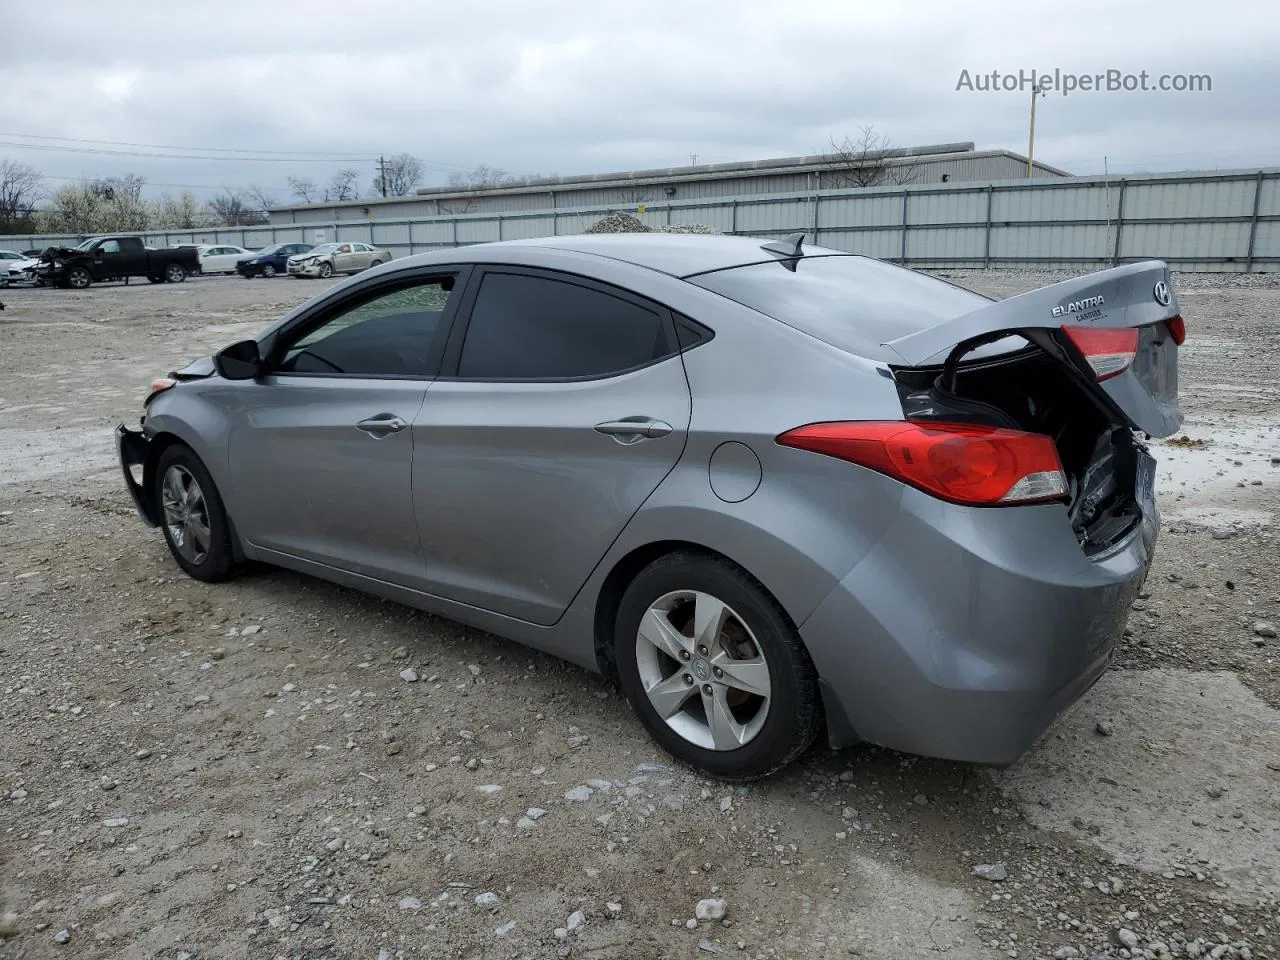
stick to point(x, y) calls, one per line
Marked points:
point(986, 246)
point(1115, 254)
point(555, 222)
point(455, 231)
point(733, 217)
point(903, 258)
point(816, 200)
point(668, 214)
point(499, 227)
point(1253, 223)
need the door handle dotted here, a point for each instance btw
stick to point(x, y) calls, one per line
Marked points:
point(382, 425)
point(631, 429)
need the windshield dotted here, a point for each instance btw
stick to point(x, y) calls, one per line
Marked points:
point(87, 243)
point(267, 251)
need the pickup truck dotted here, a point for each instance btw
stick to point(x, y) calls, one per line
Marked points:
point(114, 258)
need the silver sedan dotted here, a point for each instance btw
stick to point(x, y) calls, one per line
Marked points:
point(330, 258)
point(769, 489)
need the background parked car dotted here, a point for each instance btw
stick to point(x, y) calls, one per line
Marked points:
point(221, 258)
point(19, 271)
point(330, 258)
point(271, 260)
point(7, 259)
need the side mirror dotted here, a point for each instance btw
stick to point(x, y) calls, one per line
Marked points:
point(240, 361)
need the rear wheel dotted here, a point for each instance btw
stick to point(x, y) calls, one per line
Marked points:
point(193, 517)
point(79, 277)
point(175, 273)
point(714, 668)
point(268, 271)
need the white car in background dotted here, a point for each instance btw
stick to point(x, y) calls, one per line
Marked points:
point(221, 258)
point(7, 259)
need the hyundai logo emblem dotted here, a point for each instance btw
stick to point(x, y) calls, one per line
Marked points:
point(1161, 293)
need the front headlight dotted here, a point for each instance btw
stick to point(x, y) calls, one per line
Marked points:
point(158, 386)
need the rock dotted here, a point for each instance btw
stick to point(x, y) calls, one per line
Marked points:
point(1105, 727)
point(524, 823)
point(385, 954)
point(708, 946)
point(849, 813)
point(487, 899)
point(336, 844)
point(726, 805)
point(1264, 629)
point(991, 871)
point(62, 936)
point(920, 799)
point(579, 741)
point(578, 794)
point(1066, 953)
point(410, 903)
point(576, 920)
point(614, 909)
point(393, 749)
point(250, 630)
point(1127, 938)
point(710, 909)
point(506, 928)
point(691, 924)
point(535, 813)
point(114, 822)
point(650, 768)
point(473, 669)
point(409, 675)
point(1223, 533)
point(18, 794)
point(472, 764)
point(489, 789)
point(142, 754)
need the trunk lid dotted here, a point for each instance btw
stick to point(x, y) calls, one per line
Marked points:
point(1139, 296)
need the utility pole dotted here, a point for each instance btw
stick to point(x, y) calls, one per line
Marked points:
point(382, 174)
point(1036, 90)
point(693, 159)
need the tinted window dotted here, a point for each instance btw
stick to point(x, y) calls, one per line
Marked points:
point(391, 334)
point(853, 303)
point(110, 246)
point(530, 328)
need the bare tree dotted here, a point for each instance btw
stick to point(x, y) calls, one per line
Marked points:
point(343, 185)
point(96, 207)
point(235, 209)
point(127, 187)
point(399, 175)
point(634, 195)
point(20, 188)
point(868, 160)
point(183, 212)
point(260, 197)
point(481, 178)
point(304, 189)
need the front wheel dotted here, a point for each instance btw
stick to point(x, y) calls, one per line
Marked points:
point(268, 271)
point(175, 273)
point(326, 271)
point(714, 668)
point(193, 517)
point(79, 277)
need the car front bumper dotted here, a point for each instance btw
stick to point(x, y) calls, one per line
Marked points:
point(966, 632)
point(133, 447)
point(304, 271)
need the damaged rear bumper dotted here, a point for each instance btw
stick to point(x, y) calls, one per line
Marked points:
point(133, 447)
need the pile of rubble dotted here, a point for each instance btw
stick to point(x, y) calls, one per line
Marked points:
point(620, 222)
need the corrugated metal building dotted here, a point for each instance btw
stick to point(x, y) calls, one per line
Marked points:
point(937, 163)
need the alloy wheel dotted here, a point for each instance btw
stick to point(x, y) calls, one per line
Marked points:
point(186, 514)
point(703, 670)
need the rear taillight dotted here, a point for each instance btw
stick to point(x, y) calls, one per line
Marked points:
point(959, 462)
point(1177, 329)
point(1108, 350)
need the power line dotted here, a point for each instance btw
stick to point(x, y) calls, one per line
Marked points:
point(177, 156)
point(324, 154)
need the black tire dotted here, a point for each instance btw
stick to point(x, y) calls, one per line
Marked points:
point(78, 278)
point(218, 562)
point(794, 718)
point(175, 273)
point(269, 270)
point(326, 270)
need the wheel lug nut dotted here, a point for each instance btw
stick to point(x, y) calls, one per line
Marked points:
point(706, 688)
point(718, 672)
point(684, 654)
point(702, 650)
point(688, 679)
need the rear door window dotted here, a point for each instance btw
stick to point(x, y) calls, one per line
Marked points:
point(526, 326)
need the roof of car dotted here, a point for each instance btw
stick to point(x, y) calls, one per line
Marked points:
point(677, 254)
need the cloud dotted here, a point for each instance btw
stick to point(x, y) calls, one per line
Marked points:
point(561, 86)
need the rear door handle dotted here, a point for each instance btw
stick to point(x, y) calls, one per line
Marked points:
point(382, 424)
point(631, 429)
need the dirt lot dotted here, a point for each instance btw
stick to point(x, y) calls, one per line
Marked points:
point(240, 771)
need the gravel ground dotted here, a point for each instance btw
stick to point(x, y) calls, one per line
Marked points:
point(277, 767)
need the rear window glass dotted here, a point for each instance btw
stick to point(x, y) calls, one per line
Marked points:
point(853, 303)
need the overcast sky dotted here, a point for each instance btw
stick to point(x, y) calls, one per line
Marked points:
point(560, 87)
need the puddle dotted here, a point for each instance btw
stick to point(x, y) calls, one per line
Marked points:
point(1192, 478)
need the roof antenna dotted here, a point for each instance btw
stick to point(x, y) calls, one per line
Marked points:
point(790, 246)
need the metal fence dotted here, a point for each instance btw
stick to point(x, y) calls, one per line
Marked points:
point(1200, 221)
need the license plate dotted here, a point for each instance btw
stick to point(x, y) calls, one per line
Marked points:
point(1146, 481)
